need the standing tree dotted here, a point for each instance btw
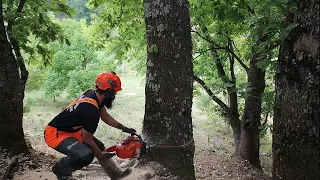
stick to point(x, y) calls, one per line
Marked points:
point(236, 64)
point(169, 85)
point(12, 85)
point(297, 107)
point(15, 27)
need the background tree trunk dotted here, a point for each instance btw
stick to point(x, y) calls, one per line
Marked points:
point(169, 86)
point(250, 122)
point(11, 97)
point(232, 111)
point(297, 107)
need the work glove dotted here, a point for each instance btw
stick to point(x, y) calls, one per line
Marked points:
point(129, 130)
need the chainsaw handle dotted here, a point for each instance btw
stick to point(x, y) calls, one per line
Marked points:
point(135, 134)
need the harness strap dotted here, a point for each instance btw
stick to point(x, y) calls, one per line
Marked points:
point(81, 100)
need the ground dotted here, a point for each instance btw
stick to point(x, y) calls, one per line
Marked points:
point(208, 166)
point(213, 139)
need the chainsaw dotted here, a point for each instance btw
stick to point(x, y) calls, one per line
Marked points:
point(130, 147)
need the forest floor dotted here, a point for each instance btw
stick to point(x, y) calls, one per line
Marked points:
point(213, 158)
point(208, 166)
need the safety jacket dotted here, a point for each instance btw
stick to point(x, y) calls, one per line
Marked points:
point(53, 136)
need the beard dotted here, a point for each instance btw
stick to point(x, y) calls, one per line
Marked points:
point(107, 102)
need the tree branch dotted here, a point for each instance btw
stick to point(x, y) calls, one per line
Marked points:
point(15, 45)
point(239, 60)
point(231, 59)
point(250, 10)
point(213, 97)
point(206, 39)
point(235, 47)
point(224, 48)
point(20, 61)
point(19, 10)
point(1, 18)
point(202, 52)
point(121, 12)
point(221, 72)
point(215, 57)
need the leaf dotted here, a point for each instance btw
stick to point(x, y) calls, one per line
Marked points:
point(263, 64)
point(228, 85)
point(285, 32)
point(154, 48)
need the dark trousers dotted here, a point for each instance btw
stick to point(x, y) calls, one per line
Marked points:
point(78, 154)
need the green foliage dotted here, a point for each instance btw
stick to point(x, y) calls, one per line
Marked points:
point(75, 66)
point(285, 32)
point(81, 80)
point(119, 29)
point(35, 79)
point(67, 58)
point(254, 27)
point(82, 12)
point(54, 84)
point(205, 103)
point(42, 27)
point(106, 62)
point(137, 59)
point(26, 109)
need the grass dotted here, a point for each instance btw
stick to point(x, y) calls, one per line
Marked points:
point(211, 134)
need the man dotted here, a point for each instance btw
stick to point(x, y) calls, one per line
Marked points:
point(71, 131)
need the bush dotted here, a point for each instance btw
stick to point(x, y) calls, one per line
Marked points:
point(26, 109)
point(80, 81)
point(35, 79)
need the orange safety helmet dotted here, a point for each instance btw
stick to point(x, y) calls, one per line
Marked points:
point(107, 80)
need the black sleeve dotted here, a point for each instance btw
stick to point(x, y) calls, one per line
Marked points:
point(90, 117)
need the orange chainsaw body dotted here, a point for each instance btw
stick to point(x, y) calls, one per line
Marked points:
point(129, 147)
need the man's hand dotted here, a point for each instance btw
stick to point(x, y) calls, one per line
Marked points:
point(129, 130)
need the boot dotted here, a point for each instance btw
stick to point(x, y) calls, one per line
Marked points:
point(56, 171)
point(113, 170)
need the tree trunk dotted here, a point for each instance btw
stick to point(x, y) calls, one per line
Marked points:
point(250, 122)
point(167, 122)
point(233, 111)
point(297, 107)
point(11, 97)
point(235, 125)
point(233, 99)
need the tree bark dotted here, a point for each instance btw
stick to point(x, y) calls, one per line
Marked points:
point(250, 122)
point(11, 96)
point(167, 122)
point(297, 106)
point(233, 99)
